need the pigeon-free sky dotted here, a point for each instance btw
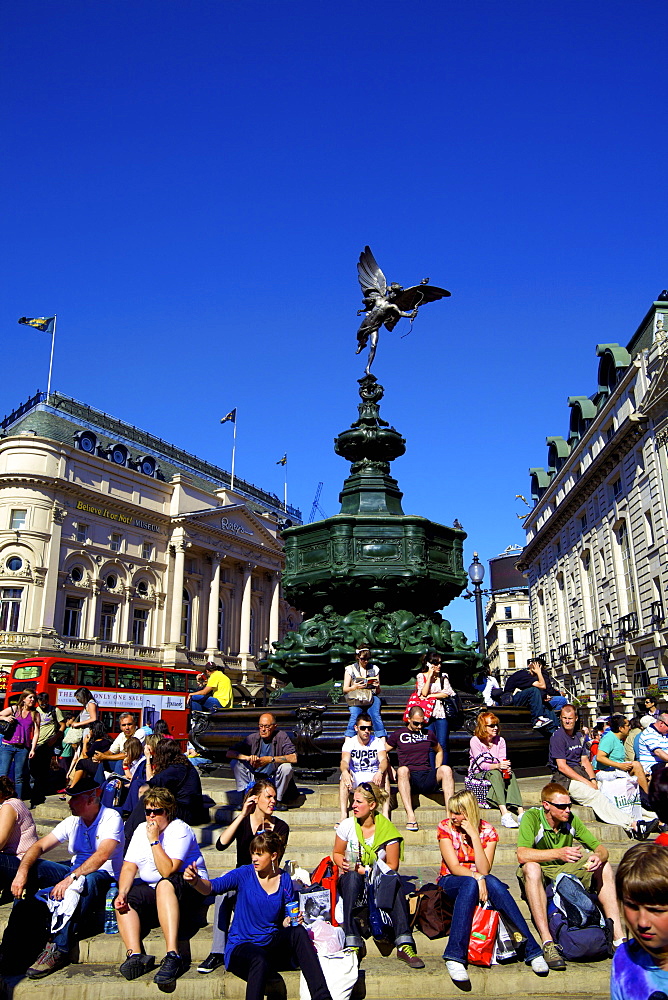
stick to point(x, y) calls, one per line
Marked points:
point(188, 185)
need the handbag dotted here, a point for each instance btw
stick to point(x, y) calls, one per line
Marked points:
point(360, 698)
point(327, 875)
point(477, 783)
point(8, 727)
point(452, 707)
point(417, 701)
point(432, 911)
point(483, 935)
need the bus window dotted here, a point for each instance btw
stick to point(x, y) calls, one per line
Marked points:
point(128, 678)
point(109, 676)
point(90, 675)
point(62, 673)
point(28, 672)
point(110, 722)
point(153, 680)
point(175, 681)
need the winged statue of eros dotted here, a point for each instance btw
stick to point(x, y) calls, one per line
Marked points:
point(385, 305)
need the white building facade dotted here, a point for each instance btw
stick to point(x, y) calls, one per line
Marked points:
point(115, 544)
point(596, 553)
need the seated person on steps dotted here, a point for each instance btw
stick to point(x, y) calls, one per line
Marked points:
point(413, 745)
point(269, 752)
point(363, 758)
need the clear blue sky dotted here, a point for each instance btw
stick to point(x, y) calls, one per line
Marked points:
point(188, 185)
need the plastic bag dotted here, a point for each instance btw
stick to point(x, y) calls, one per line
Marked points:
point(483, 935)
point(622, 791)
point(328, 940)
point(340, 971)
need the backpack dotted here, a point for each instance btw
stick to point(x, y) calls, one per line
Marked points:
point(576, 923)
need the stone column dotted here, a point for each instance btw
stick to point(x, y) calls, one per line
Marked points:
point(214, 599)
point(124, 616)
point(177, 592)
point(51, 584)
point(245, 658)
point(274, 610)
point(92, 610)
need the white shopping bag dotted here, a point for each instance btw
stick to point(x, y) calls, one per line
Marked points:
point(340, 971)
point(622, 790)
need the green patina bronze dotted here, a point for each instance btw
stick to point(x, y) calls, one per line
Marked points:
point(371, 574)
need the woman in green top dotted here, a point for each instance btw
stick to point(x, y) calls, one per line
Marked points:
point(364, 839)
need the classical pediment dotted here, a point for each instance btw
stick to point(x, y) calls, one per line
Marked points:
point(232, 521)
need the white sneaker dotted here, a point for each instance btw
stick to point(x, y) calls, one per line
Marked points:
point(457, 972)
point(509, 821)
point(540, 722)
point(539, 965)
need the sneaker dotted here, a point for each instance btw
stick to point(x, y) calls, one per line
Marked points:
point(644, 827)
point(407, 953)
point(539, 965)
point(136, 965)
point(552, 956)
point(211, 962)
point(509, 821)
point(540, 722)
point(457, 972)
point(171, 968)
point(50, 960)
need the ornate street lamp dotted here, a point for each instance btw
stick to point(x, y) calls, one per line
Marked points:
point(477, 575)
point(604, 645)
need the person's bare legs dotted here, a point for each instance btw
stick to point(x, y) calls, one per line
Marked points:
point(344, 799)
point(607, 896)
point(445, 777)
point(536, 898)
point(385, 809)
point(130, 930)
point(404, 785)
point(168, 913)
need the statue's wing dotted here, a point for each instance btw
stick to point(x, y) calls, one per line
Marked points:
point(369, 275)
point(417, 295)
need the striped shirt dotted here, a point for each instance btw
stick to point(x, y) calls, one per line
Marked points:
point(649, 741)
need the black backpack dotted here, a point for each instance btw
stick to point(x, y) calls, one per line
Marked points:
point(576, 923)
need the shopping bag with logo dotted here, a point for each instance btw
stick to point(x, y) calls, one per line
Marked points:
point(622, 791)
point(483, 935)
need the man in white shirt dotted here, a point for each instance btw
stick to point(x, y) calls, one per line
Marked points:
point(116, 752)
point(363, 758)
point(653, 744)
point(95, 839)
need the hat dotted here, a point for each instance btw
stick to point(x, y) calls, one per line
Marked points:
point(87, 784)
point(647, 720)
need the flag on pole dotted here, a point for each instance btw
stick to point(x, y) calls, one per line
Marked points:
point(232, 415)
point(284, 460)
point(43, 323)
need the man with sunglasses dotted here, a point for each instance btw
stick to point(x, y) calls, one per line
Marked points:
point(95, 838)
point(414, 744)
point(549, 841)
point(269, 751)
point(363, 759)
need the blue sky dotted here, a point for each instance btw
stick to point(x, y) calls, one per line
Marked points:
point(188, 185)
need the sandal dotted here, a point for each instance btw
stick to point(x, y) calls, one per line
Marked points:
point(413, 827)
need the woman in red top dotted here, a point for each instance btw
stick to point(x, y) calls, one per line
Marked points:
point(467, 846)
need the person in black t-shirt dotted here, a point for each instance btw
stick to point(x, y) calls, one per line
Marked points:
point(527, 687)
point(413, 745)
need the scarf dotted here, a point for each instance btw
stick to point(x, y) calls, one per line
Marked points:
point(384, 831)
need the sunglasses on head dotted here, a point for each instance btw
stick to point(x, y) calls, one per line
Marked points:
point(368, 787)
point(154, 811)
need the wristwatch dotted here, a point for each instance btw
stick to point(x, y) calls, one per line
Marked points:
point(153, 843)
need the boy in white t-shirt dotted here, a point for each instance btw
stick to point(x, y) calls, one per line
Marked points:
point(363, 758)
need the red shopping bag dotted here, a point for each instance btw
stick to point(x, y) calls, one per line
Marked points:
point(326, 875)
point(483, 935)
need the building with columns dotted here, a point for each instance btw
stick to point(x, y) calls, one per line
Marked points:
point(508, 623)
point(596, 553)
point(118, 545)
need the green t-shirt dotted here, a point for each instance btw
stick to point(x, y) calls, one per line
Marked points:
point(613, 748)
point(536, 832)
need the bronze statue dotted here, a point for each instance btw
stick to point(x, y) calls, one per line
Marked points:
point(386, 304)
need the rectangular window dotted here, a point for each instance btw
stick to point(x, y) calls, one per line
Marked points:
point(510, 637)
point(139, 626)
point(649, 529)
point(511, 662)
point(617, 488)
point(10, 608)
point(62, 673)
point(108, 621)
point(609, 431)
point(115, 543)
point(72, 619)
point(153, 680)
point(18, 520)
point(557, 546)
point(507, 612)
point(146, 550)
point(81, 532)
point(89, 675)
point(129, 679)
point(582, 521)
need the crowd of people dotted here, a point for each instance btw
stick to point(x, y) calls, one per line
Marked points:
point(134, 797)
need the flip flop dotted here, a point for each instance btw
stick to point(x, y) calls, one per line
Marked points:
point(413, 827)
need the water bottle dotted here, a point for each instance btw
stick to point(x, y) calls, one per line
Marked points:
point(110, 925)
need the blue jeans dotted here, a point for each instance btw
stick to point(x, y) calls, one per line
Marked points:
point(464, 890)
point(373, 710)
point(440, 728)
point(18, 756)
point(205, 703)
point(557, 702)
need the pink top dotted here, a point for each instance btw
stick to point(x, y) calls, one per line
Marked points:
point(496, 750)
point(23, 834)
point(23, 733)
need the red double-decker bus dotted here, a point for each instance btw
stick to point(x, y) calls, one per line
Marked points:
point(150, 692)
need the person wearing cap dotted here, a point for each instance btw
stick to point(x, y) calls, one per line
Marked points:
point(216, 693)
point(95, 837)
point(363, 675)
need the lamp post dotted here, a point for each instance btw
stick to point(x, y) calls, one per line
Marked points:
point(604, 646)
point(477, 575)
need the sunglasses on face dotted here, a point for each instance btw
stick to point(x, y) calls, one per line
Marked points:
point(560, 805)
point(365, 729)
point(154, 811)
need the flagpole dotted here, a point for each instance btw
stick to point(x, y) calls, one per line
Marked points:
point(53, 341)
point(285, 486)
point(234, 449)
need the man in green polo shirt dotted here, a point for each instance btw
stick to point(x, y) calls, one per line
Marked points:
point(550, 841)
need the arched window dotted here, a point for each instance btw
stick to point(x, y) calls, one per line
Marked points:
point(640, 680)
point(186, 619)
point(221, 626)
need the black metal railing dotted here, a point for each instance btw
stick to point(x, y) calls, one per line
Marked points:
point(576, 648)
point(656, 614)
point(589, 641)
point(553, 657)
point(627, 626)
point(564, 652)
